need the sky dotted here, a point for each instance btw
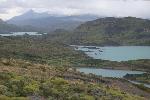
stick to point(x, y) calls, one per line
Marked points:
point(108, 8)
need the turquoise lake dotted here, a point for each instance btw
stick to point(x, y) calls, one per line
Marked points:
point(112, 73)
point(108, 72)
point(119, 53)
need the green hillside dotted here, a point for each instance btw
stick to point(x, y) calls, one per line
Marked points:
point(22, 80)
point(114, 31)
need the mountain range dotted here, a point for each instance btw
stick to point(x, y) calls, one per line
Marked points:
point(48, 22)
point(84, 30)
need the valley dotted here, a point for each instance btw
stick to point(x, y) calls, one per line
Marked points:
point(74, 64)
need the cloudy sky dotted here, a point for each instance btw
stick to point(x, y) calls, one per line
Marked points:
point(117, 8)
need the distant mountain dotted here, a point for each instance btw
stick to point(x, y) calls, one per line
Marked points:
point(112, 31)
point(30, 15)
point(7, 28)
point(49, 22)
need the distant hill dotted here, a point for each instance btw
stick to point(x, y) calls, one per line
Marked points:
point(48, 22)
point(107, 31)
point(113, 31)
point(7, 28)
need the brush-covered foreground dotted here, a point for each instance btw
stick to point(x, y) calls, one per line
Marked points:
point(22, 80)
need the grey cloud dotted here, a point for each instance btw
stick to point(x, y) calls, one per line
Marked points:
point(3, 11)
point(137, 8)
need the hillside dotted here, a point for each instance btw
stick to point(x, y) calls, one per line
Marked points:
point(114, 31)
point(22, 80)
point(45, 50)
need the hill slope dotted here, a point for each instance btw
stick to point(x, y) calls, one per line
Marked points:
point(22, 80)
point(114, 31)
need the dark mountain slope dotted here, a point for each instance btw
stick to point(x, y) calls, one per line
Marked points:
point(114, 31)
point(6, 28)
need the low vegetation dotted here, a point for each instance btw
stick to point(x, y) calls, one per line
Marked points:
point(43, 49)
point(22, 80)
point(114, 31)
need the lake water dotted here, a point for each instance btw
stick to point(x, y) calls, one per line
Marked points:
point(21, 33)
point(108, 72)
point(120, 53)
point(112, 73)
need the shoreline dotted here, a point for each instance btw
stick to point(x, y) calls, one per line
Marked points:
point(113, 68)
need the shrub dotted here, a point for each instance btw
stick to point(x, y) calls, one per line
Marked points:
point(31, 88)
